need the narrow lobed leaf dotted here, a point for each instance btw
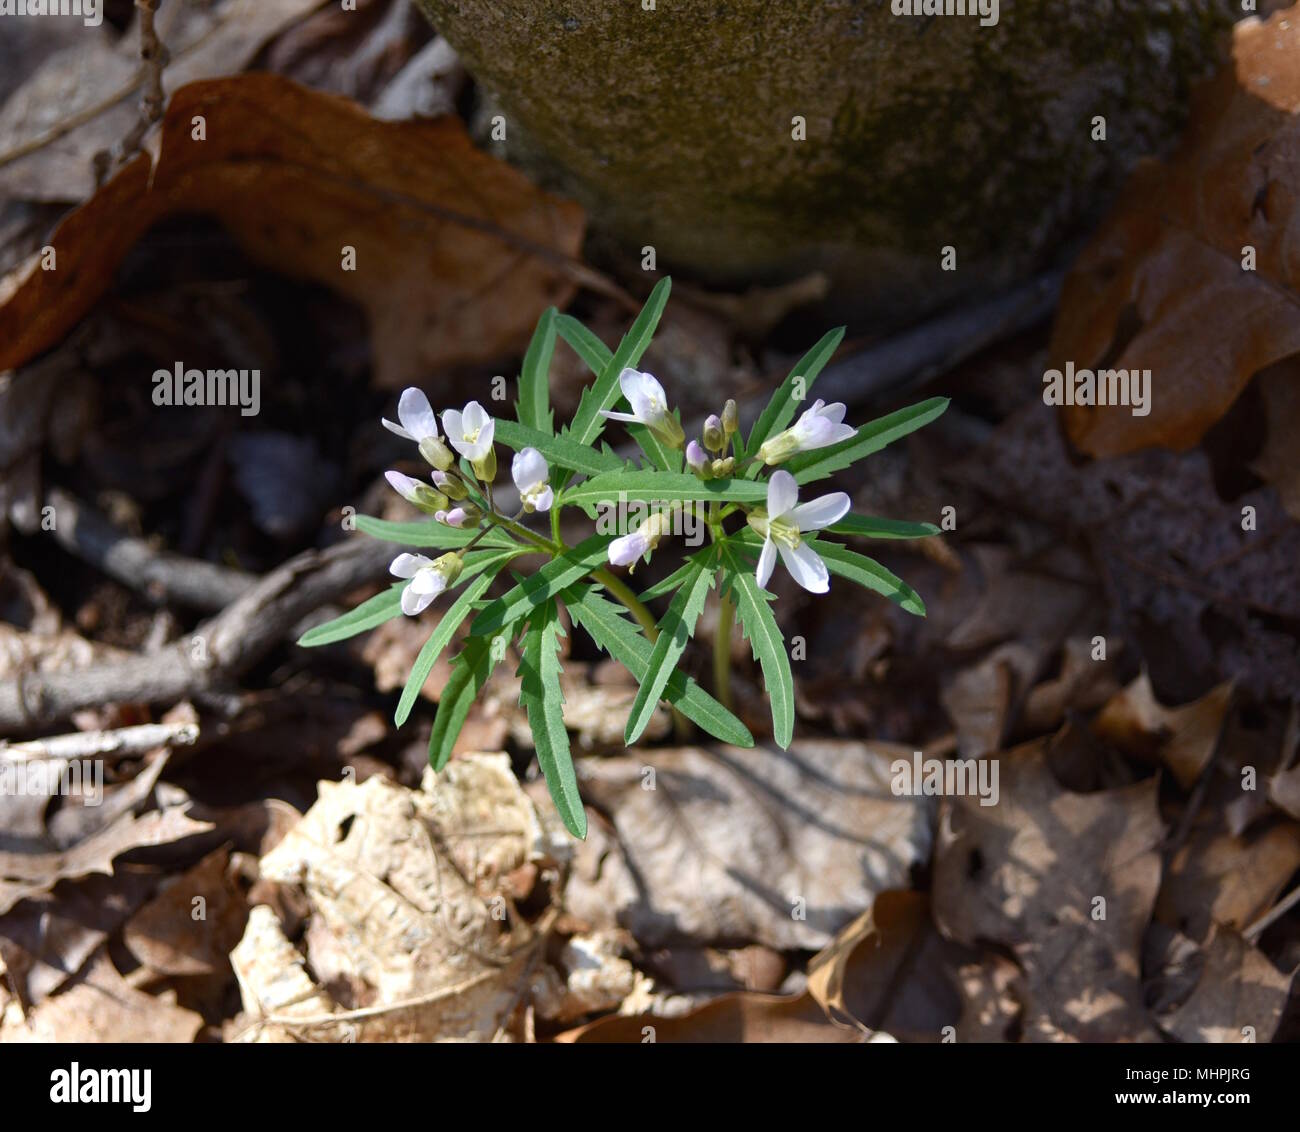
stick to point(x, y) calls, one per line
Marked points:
point(870, 438)
point(759, 625)
point(370, 613)
point(560, 572)
point(869, 573)
point(534, 405)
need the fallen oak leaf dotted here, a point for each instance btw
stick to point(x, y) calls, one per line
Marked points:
point(1172, 255)
point(454, 253)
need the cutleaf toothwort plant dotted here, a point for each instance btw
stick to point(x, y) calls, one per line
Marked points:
point(752, 520)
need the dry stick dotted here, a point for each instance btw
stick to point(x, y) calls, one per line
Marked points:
point(212, 657)
point(154, 56)
point(121, 742)
point(161, 577)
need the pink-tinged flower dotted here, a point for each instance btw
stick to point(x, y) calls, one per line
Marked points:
point(427, 578)
point(697, 459)
point(781, 526)
point(649, 407)
point(419, 424)
point(629, 549)
point(818, 427)
point(531, 474)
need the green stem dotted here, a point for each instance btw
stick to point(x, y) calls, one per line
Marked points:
point(726, 618)
point(623, 592)
point(722, 651)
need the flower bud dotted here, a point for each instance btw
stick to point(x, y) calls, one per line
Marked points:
point(721, 469)
point(697, 459)
point(451, 486)
point(418, 494)
point(714, 440)
point(730, 419)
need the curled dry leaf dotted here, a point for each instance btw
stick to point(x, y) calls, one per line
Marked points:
point(1182, 738)
point(454, 254)
point(721, 845)
point(101, 1006)
point(1239, 997)
point(1029, 874)
point(411, 937)
point(1164, 286)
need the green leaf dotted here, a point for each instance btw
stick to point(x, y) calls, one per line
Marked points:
point(793, 392)
point(604, 391)
point(676, 627)
point(869, 573)
point(560, 451)
point(561, 571)
point(541, 697)
point(646, 485)
point(585, 344)
point(869, 526)
point(438, 640)
point(674, 580)
point(469, 672)
point(534, 405)
point(759, 625)
point(611, 630)
point(428, 533)
point(371, 612)
point(817, 465)
point(656, 451)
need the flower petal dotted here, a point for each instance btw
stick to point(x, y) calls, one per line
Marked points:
point(626, 550)
point(405, 565)
point(782, 494)
point(405, 486)
point(475, 417)
point(396, 428)
point(606, 413)
point(528, 468)
point(415, 414)
point(453, 425)
point(543, 500)
point(834, 412)
point(766, 562)
point(806, 567)
point(414, 602)
point(819, 513)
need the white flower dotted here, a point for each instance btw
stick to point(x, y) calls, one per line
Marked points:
point(649, 407)
point(781, 525)
point(818, 427)
point(530, 473)
point(428, 578)
point(626, 551)
point(419, 424)
point(456, 517)
point(470, 432)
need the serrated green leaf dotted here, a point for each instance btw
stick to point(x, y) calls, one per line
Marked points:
point(560, 572)
point(585, 344)
point(785, 401)
point(604, 391)
point(438, 640)
point(759, 625)
point(469, 672)
point(560, 451)
point(671, 583)
point(869, 573)
point(542, 699)
point(870, 526)
point(609, 628)
point(676, 628)
point(646, 485)
point(428, 533)
point(370, 613)
point(872, 437)
point(534, 405)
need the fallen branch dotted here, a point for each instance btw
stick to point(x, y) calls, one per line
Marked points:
point(214, 655)
point(121, 743)
point(162, 578)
